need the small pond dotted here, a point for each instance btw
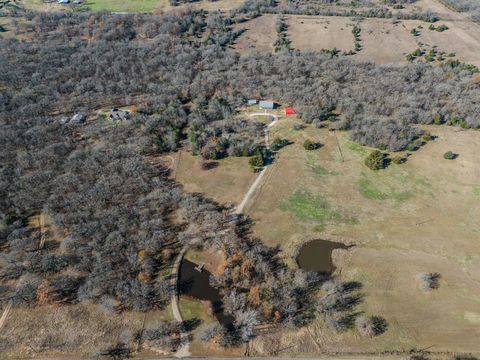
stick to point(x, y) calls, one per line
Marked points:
point(196, 284)
point(316, 255)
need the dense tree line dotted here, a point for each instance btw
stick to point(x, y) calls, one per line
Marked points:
point(471, 6)
point(366, 8)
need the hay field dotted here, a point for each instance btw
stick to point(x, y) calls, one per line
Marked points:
point(259, 35)
point(320, 32)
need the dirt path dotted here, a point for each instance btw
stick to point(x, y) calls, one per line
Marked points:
point(183, 351)
point(257, 181)
point(6, 311)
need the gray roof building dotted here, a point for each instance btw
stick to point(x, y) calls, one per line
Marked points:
point(119, 114)
point(267, 105)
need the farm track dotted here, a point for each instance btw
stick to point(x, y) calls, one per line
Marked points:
point(4, 317)
point(257, 181)
point(184, 348)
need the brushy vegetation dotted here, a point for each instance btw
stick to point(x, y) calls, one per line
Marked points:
point(310, 145)
point(278, 143)
point(376, 160)
point(429, 281)
point(282, 42)
point(450, 155)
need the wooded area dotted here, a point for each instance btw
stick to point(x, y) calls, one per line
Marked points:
point(121, 217)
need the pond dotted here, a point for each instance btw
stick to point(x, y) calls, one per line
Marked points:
point(196, 284)
point(316, 255)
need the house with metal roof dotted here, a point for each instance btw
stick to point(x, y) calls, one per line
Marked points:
point(267, 105)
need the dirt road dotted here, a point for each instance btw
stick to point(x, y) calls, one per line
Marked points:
point(257, 181)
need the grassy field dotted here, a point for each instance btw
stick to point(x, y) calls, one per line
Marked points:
point(226, 183)
point(321, 32)
point(259, 35)
point(134, 5)
point(421, 216)
point(383, 41)
point(410, 218)
point(126, 5)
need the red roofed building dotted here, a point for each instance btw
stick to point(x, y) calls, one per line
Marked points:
point(289, 111)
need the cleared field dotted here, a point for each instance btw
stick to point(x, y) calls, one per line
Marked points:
point(226, 183)
point(421, 216)
point(42, 6)
point(385, 41)
point(319, 32)
point(134, 5)
point(259, 35)
point(126, 5)
point(461, 39)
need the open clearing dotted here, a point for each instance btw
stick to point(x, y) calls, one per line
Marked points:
point(421, 216)
point(259, 35)
point(134, 5)
point(384, 41)
point(411, 218)
point(320, 32)
point(225, 183)
point(460, 39)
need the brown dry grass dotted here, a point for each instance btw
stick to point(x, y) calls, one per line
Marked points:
point(77, 331)
point(227, 183)
point(320, 32)
point(259, 35)
point(461, 38)
point(385, 41)
point(416, 217)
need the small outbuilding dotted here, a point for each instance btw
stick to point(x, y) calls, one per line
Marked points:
point(289, 111)
point(267, 105)
point(78, 119)
point(252, 102)
point(119, 114)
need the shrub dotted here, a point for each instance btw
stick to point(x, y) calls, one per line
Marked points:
point(11, 217)
point(278, 143)
point(399, 159)
point(438, 119)
point(256, 161)
point(427, 137)
point(376, 160)
point(310, 145)
point(317, 123)
point(338, 322)
point(213, 332)
point(429, 281)
point(370, 326)
point(441, 28)
point(449, 155)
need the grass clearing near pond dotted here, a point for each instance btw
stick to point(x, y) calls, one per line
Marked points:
point(371, 190)
point(194, 310)
point(306, 206)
